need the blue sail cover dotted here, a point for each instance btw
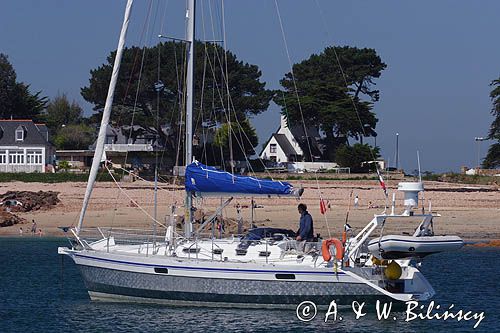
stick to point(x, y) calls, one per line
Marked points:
point(205, 179)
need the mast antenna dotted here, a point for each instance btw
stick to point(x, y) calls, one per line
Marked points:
point(419, 172)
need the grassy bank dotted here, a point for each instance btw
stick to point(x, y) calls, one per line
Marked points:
point(463, 179)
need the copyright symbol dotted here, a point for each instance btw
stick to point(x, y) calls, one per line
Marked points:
point(306, 311)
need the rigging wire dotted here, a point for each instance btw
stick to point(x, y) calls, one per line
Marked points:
point(344, 77)
point(231, 107)
point(204, 135)
point(214, 76)
point(300, 107)
point(240, 144)
point(117, 166)
point(132, 200)
point(220, 94)
point(226, 81)
point(162, 21)
point(293, 79)
point(144, 33)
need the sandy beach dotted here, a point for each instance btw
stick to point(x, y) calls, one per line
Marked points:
point(472, 212)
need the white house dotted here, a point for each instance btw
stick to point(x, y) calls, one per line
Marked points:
point(289, 144)
point(24, 146)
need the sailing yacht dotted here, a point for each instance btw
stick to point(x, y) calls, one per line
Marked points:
point(265, 267)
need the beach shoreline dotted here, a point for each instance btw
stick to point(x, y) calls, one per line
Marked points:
point(469, 211)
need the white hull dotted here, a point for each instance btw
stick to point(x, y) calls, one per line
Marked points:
point(182, 281)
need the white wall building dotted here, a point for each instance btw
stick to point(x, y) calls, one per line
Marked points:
point(288, 144)
point(24, 146)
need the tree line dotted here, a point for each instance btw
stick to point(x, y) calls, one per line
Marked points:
point(337, 100)
point(492, 159)
point(68, 127)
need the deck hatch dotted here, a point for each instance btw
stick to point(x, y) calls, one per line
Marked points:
point(217, 251)
point(264, 253)
point(191, 250)
point(241, 252)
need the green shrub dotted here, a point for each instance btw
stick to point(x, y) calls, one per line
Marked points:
point(431, 176)
point(467, 179)
point(452, 177)
point(353, 157)
point(64, 165)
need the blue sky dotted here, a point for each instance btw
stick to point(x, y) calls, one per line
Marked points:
point(441, 57)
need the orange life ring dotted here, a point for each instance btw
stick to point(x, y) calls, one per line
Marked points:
point(325, 249)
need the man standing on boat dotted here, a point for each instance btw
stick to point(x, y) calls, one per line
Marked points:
point(306, 229)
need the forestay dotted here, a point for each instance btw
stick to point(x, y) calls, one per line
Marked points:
point(205, 180)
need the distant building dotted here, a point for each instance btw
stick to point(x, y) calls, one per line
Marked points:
point(291, 144)
point(24, 146)
point(481, 172)
point(128, 139)
point(381, 164)
point(132, 145)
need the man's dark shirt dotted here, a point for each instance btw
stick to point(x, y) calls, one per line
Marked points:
point(306, 230)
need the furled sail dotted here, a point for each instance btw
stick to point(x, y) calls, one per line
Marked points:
point(206, 180)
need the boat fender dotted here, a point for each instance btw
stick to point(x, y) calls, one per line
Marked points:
point(339, 249)
point(393, 271)
point(379, 262)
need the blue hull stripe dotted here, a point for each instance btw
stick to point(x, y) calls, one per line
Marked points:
point(208, 268)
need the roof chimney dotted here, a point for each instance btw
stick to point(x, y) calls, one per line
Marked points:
point(283, 121)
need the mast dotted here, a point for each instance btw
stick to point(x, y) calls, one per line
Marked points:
point(397, 151)
point(99, 148)
point(190, 18)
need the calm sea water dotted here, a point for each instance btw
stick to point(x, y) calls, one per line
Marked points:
point(36, 295)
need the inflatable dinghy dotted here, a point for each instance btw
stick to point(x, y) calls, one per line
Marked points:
point(400, 246)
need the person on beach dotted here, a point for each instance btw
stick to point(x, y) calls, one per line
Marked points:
point(306, 228)
point(33, 227)
point(21, 231)
point(40, 233)
point(356, 201)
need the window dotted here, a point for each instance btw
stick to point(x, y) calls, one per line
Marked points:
point(161, 270)
point(34, 156)
point(19, 134)
point(272, 148)
point(3, 157)
point(16, 157)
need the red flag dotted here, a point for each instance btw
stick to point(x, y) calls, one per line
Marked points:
point(381, 181)
point(322, 206)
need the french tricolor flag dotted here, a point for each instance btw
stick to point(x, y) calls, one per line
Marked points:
point(322, 206)
point(381, 181)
